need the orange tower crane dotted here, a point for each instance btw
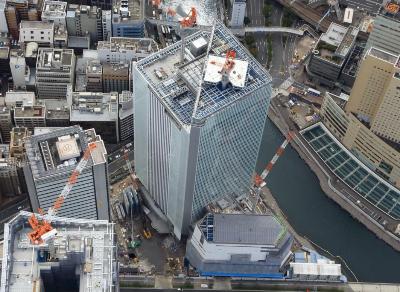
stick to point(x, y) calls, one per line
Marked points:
point(188, 22)
point(42, 230)
point(259, 180)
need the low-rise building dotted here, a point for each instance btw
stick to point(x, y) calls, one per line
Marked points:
point(36, 31)
point(128, 18)
point(96, 110)
point(55, 71)
point(54, 11)
point(17, 143)
point(239, 245)
point(94, 76)
point(57, 113)
point(19, 98)
point(331, 52)
point(5, 124)
point(125, 50)
point(83, 20)
point(19, 70)
point(115, 77)
point(30, 116)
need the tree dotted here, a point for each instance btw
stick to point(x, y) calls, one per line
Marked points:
point(246, 20)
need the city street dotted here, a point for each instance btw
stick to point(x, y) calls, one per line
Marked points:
point(254, 11)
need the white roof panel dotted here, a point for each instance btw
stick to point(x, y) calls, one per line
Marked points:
point(237, 75)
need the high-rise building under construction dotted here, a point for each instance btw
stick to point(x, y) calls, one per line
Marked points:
point(199, 117)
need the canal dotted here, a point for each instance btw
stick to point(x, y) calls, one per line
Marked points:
point(296, 189)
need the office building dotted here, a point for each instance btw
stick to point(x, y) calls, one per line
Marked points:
point(5, 124)
point(107, 24)
point(385, 34)
point(125, 50)
point(39, 32)
point(55, 11)
point(96, 110)
point(94, 76)
point(30, 116)
point(193, 124)
point(125, 116)
point(17, 143)
point(60, 37)
point(81, 257)
point(12, 182)
point(55, 71)
point(57, 113)
point(115, 77)
point(238, 12)
point(361, 141)
point(84, 20)
point(239, 245)
point(103, 4)
point(16, 11)
point(330, 53)
point(19, 98)
point(19, 70)
point(4, 60)
point(52, 157)
point(128, 19)
point(374, 97)
point(3, 20)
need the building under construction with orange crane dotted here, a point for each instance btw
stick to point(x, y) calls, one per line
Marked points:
point(81, 257)
point(200, 109)
point(53, 158)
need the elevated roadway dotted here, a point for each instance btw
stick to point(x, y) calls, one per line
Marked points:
point(270, 29)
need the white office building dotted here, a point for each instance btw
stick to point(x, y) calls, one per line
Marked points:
point(238, 13)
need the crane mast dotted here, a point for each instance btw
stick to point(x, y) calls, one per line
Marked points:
point(42, 229)
point(259, 180)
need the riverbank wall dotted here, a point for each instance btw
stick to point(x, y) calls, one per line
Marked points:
point(325, 183)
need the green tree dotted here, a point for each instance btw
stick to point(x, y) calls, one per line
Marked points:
point(246, 20)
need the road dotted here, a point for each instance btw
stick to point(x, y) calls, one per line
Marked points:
point(254, 11)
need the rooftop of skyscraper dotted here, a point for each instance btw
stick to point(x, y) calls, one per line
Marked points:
point(60, 150)
point(88, 246)
point(383, 55)
point(192, 90)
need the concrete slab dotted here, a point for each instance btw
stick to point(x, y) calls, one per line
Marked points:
point(163, 282)
point(364, 287)
point(222, 284)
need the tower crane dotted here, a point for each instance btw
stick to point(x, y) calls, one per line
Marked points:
point(259, 180)
point(189, 21)
point(42, 230)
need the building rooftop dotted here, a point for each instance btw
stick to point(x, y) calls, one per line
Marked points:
point(27, 111)
point(383, 55)
point(242, 229)
point(94, 106)
point(49, 58)
point(335, 44)
point(54, 8)
point(74, 9)
point(128, 10)
point(182, 88)
point(19, 98)
point(86, 245)
point(4, 52)
point(44, 156)
point(56, 109)
point(121, 44)
point(125, 103)
point(25, 24)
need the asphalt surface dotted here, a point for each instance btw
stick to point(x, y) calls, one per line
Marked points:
point(254, 11)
